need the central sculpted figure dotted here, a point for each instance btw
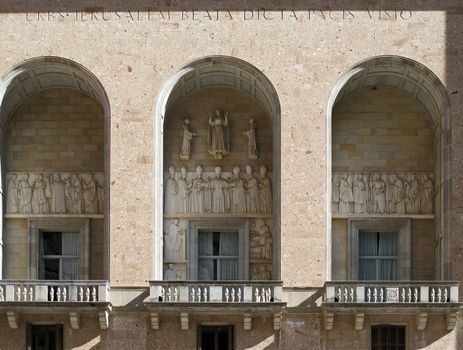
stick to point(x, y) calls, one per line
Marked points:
point(218, 137)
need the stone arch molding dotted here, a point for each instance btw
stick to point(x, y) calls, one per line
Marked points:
point(421, 83)
point(44, 73)
point(206, 72)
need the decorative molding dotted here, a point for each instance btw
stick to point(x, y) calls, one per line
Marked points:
point(421, 320)
point(74, 319)
point(277, 321)
point(451, 320)
point(247, 321)
point(359, 320)
point(13, 319)
point(374, 193)
point(184, 320)
point(155, 321)
point(329, 320)
point(103, 319)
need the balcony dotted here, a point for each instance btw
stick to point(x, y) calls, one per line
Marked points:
point(229, 297)
point(421, 297)
point(46, 296)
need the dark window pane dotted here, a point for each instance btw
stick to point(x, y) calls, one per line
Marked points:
point(51, 269)
point(388, 337)
point(51, 243)
point(215, 337)
point(45, 337)
point(216, 243)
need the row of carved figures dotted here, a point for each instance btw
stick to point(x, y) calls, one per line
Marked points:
point(382, 193)
point(235, 194)
point(55, 193)
point(218, 139)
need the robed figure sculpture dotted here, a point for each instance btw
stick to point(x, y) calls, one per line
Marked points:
point(219, 136)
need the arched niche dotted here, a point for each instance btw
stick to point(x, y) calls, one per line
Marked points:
point(418, 82)
point(195, 77)
point(40, 74)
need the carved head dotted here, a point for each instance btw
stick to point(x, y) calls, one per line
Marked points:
point(172, 171)
point(251, 121)
point(263, 170)
point(262, 268)
point(248, 170)
point(218, 112)
point(217, 171)
point(56, 177)
point(13, 177)
point(170, 266)
point(199, 170)
point(183, 172)
point(236, 171)
point(176, 221)
point(187, 121)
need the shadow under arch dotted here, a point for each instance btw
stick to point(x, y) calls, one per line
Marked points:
point(421, 83)
point(206, 72)
point(44, 73)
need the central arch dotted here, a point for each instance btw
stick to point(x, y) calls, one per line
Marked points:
point(203, 73)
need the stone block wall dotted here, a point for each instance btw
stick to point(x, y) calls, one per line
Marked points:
point(381, 129)
point(56, 130)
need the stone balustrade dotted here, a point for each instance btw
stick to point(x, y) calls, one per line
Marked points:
point(216, 291)
point(54, 291)
point(403, 292)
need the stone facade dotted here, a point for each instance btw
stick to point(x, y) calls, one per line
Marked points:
point(354, 89)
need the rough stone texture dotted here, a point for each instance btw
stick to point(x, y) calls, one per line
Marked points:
point(381, 129)
point(340, 254)
point(422, 255)
point(58, 130)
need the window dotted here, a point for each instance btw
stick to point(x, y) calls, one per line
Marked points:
point(59, 248)
point(361, 248)
point(218, 250)
point(59, 256)
point(218, 255)
point(385, 337)
point(44, 337)
point(377, 255)
point(215, 337)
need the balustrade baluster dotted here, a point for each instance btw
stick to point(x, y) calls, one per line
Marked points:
point(18, 293)
point(199, 293)
point(375, 294)
point(433, 295)
point(81, 293)
point(193, 293)
point(58, 293)
point(415, 295)
point(175, 294)
point(409, 294)
point(2, 296)
point(31, 293)
point(339, 294)
point(65, 293)
point(351, 294)
point(205, 294)
point(402, 295)
point(368, 294)
point(94, 293)
point(52, 293)
point(439, 294)
point(239, 294)
point(227, 295)
point(233, 295)
point(445, 295)
point(381, 294)
point(345, 294)
point(256, 294)
point(25, 293)
point(267, 295)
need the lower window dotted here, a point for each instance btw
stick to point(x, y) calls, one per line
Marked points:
point(215, 337)
point(386, 337)
point(44, 337)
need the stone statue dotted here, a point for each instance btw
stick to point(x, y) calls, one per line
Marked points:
point(378, 188)
point(182, 195)
point(199, 193)
point(219, 192)
point(346, 197)
point(170, 195)
point(252, 192)
point(238, 192)
point(366, 193)
point(265, 239)
point(174, 242)
point(359, 193)
point(169, 273)
point(39, 199)
point(335, 182)
point(73, 191)
point(12, 204)
point(251, 135)
point(265, 190)
point(218, 138)
point(56, 194)
point(426, 194)
point(412, 201)
point(187, 138)
point(25, 194)
point(89, 194)
point(395, 195)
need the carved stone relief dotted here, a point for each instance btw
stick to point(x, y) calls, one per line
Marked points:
point(260, 272)
point(382, 193)
point(174, 272)
point(261, 243)
point(219, 134)
point(251, 135)
point(55, 193)
point(174, 240)
point(218, 193)
point(185, 152)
